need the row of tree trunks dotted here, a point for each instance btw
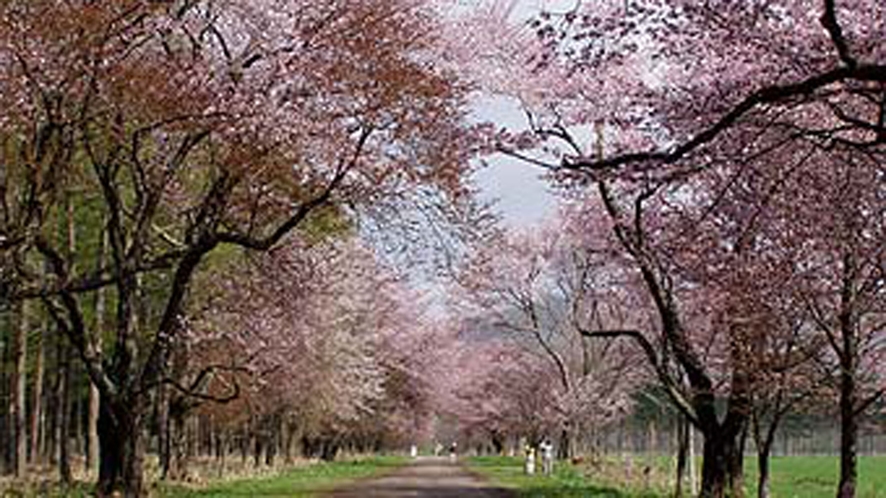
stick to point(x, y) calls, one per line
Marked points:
point(42, 413)
point(17, 410)
point(47, 435)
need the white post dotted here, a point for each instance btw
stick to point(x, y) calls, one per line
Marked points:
point(530, 460)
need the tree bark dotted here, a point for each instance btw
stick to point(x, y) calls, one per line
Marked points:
point(683, 429)
point(848, 354)
point(7, 435)
point(715, 468)
point(177, 439)
point(721, 469)
point(565, 449)
point(92, 443)
point(37, 398)
point(66, 366)
point(64, 408)
point(693, 475)
point(122, 452)
point(20, 327)
point(221, 451)
point(257, 446)
point(164, 446)
point(848, 437)
point(765, 442)
point(763, 470)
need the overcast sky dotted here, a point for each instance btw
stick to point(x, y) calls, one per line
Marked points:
point(523, 197)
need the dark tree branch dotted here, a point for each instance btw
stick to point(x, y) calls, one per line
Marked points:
point(188, 393)
point(303, 210)
point(870, 400)
point(652, 357)
point(659, 287)
point(100, 278)
point(767, 95)
point(69, 319)
point(525, 158)
point(148, 208)
point(830, 23)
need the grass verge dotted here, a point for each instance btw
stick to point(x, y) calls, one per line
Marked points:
point(567, 480)
point(305, 481)
point(817, 477)
point(792, 477)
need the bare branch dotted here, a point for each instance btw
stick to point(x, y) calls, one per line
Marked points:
point(649, 350)
point(304, 209)
point(525, 158)
point(830, 23)
point(69, 319)
point(867, 402)
point(767, 95)
point(185, 391)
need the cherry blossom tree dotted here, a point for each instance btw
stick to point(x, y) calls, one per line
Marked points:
point(333, 342)
point(540, 290)
point(501, 392)
point(198, 125)
point(697, 100)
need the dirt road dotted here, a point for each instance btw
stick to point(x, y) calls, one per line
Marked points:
point(424, 478)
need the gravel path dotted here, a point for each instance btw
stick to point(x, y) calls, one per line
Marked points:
point(425, 478)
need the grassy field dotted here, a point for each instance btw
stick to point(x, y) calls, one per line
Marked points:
point(792, 477)
point(567, 482)
point(298, 482)
point(817, 476)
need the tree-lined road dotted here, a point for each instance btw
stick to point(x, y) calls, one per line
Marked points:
point(427, 477)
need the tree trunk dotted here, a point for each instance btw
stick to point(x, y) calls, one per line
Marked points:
point(271, 448)
point(244, 443)
point(257, 447)
point(849, 322)
point(64, 408)
point(177, 438)
point(763, 454)
point(848, 437)
point(18, 387)
point(565, 448)
point(6, 433)
point(52, 442)
point(721, 472)
point(37, 398)
point(329, 449)
point(693, 475)
point(287, 443)
point(164, 446)
point(122, 451)
point(764, 443)
point(92, 443)
point(221, 451)
point(66, 367)
point(683, 429)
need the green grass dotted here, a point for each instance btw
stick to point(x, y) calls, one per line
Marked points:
point(566, 482)
point(303, 481)
point(817, 476)
point(792, 477)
